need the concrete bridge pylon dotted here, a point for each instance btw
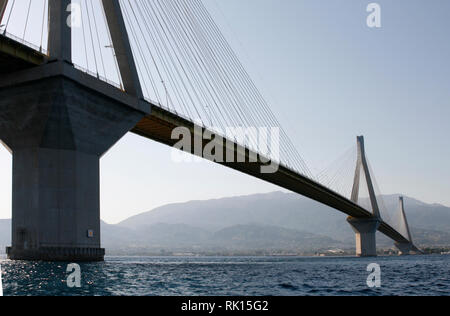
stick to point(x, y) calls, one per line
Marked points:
point(365, 229)
point(58, 122)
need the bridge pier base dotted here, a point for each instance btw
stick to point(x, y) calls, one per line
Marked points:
point(365, 230)
point(404, 248)
point(57, 130)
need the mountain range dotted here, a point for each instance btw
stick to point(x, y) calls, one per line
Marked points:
point(258, 223)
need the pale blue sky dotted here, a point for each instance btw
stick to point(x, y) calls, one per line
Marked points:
point(328, 77)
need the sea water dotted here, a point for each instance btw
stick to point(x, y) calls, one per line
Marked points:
point(231, 276)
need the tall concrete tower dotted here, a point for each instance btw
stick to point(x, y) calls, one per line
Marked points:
point(404, 248)
point(365, 229)
point(58, 122)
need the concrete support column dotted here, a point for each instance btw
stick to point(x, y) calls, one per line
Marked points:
point(57, 131)
point(55, 199)
point(404, 248)
point(365, 230)
point(60, 32)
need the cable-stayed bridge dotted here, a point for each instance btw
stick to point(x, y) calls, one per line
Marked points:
point(76, 76)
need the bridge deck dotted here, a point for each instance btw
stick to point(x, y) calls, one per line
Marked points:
point(159, 125)
point(15, 56)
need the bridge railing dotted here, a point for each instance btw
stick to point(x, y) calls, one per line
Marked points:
point(24, 42)
point(96, 75)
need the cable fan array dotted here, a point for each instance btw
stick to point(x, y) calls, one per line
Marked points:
point(93, 50)
point(26, 21)
point(389, 211)
point(186, 64)
point(339, 176)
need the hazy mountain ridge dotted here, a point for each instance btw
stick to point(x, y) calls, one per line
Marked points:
point(289, 211)
point(275, 209)
point(274, 221)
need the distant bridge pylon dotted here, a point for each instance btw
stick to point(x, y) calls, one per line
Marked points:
point(405, 248)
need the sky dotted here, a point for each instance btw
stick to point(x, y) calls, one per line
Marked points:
point(328, 78)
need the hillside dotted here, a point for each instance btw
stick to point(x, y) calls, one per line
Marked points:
point(291, 211)
point(263, 222)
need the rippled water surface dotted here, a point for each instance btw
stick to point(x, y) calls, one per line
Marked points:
point(180, 276)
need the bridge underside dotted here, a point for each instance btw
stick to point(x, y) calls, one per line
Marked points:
point(15, 56)
point(159, 125)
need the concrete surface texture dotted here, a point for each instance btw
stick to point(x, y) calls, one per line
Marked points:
point(57, 130)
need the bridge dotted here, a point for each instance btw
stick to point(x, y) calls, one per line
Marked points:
point(177, 82)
